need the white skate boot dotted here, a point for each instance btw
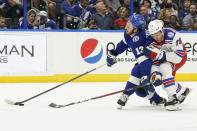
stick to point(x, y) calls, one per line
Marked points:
point(122, 101)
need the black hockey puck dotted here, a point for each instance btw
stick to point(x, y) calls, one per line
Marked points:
point(20, 104)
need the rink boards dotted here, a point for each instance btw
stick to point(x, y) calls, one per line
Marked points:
point(58, 56)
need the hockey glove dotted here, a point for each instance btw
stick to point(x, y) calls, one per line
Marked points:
point(154, 53)
point(155, 78)
point(111, 58)
point(144, 80)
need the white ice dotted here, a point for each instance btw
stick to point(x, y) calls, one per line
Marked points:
point(94, 115)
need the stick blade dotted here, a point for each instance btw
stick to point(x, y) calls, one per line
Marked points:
point(10, 102)
point(55, 105)
point(13, 103)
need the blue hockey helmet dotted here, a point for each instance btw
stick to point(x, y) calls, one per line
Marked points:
point(138, 21)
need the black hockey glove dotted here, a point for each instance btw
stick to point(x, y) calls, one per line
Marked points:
point(111, 58)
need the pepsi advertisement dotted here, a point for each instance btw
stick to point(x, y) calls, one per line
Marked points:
point(94, 47)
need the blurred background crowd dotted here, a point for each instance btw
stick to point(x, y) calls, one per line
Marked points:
point(96, 14)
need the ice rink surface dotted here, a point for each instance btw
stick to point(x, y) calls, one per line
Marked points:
point(95, 115)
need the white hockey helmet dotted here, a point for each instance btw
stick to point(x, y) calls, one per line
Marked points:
point(43, 13)
point(155, 26)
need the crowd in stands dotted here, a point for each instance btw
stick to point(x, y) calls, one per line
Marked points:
point(10, 11)
point(96, 14)
point(177, 14)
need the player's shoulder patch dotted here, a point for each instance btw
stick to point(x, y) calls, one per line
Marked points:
point(136, 38)
point(171, 34)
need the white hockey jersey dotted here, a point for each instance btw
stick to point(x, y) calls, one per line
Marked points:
point(172, 45)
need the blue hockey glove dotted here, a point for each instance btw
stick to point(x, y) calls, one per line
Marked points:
point(111, 58)
point(156, 79)
point(154, 53)
point(145, 80)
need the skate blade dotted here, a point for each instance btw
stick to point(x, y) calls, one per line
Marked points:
point(9, 102)
point(119, 107)
point(182, 98)
point(173, 108)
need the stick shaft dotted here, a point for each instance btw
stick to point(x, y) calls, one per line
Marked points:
point(109, 94)
point(61, 84)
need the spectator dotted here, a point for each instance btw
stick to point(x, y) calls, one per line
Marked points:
point(113, 4)
point(67, 6)
point(108, 9)
point(82, 10)
point(165, 16)
point(36, 4)
point(127, 4)
point(40, 4)
point(92, 3)
point(31, 17)
point(136, 4)
point(170, 5)
point(52, 9)
point(152, 12)
point(194, 26)
point(122, 13)
point(144, 12)
point(104, 19)
point(188, 19)
point(91, 25)
point(11, 8)
point(155, 4)
point(44, 22)
point(2, 23)
point(184, 10)
point(174, 23)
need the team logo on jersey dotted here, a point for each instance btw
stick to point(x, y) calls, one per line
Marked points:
point(91, 51)
point(136, 38)
point(170, 34)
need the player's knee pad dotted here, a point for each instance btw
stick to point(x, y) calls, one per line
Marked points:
point(166, 70)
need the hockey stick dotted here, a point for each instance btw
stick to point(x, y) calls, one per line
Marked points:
point(93, 98)
point(21, 102)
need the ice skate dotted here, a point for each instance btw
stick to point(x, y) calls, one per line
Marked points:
point(182, 96)
point(161, 102)
point(172, 104)
point(122, 101)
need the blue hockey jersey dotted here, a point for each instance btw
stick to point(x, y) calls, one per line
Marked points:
point(136, 44)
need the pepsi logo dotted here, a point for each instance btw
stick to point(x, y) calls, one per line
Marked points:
point(91, 51)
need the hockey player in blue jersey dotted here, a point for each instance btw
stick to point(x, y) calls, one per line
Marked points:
point(135, 38)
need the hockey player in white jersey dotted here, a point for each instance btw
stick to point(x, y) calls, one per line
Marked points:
point(165, 47)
